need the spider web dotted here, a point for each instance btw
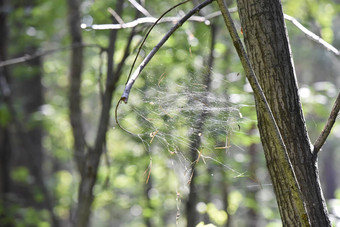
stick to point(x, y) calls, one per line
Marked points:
point(172, 115)
point(174, 109)
point(180, 115)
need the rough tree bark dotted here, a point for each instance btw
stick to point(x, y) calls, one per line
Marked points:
point(269, 52)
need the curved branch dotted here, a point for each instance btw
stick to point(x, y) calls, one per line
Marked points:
point(140, 68)
point(148, 32)
point(328, 127)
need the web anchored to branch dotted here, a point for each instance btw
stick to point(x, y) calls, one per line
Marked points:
point(167, 117)
point(170, 114)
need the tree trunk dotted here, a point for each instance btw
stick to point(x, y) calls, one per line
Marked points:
point(89, 161)
point(191, 212)
point(252, 212)
point(329, 172)
point(22, 94)
point(268, 48)
point(147, 188)
point(5, 147)
point(76, 68)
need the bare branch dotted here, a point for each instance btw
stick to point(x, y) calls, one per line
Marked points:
point(142, 20)
point(140, 8)
point(151, 20)
point(126, 52)
point(139, 69)
point(311, 35)
point(218, 13)
point(205, 19)
point(116, 16)
point(29, 57)
point(328, 127)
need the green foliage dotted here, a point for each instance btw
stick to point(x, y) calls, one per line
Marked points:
point(218, 216)
point(201, 224)
point(33, 217)
point(21, 174)
point(5, 115)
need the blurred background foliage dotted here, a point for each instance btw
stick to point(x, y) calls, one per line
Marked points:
point(143, 180)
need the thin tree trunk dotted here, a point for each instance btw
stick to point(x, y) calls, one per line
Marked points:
point(329, 172)
point(23, 140)
point(269, 52)
point(5, 147)
point(90, 163)
point(207, 190)
point(192, 214)
point(147, 188)
point(225, 196)
point(76, 68)
point(252, 211)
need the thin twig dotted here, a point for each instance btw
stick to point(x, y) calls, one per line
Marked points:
point(311, 35)
point(328, 127)
point(147, 34)
point(140, 8)
point(139, 69)
point(100, 76)
point(29, 57)
point(116, 16)
point(126, 52)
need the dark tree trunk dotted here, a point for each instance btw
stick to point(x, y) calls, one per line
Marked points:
point(225, 196)
point(207, 190)
point(269, 52)
point(191, 212)
point(147, 188)
point(76, 68)
point(329, 173)
point(88, 162)
point(5, 147)
point(252, 211)
point(23, 95)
